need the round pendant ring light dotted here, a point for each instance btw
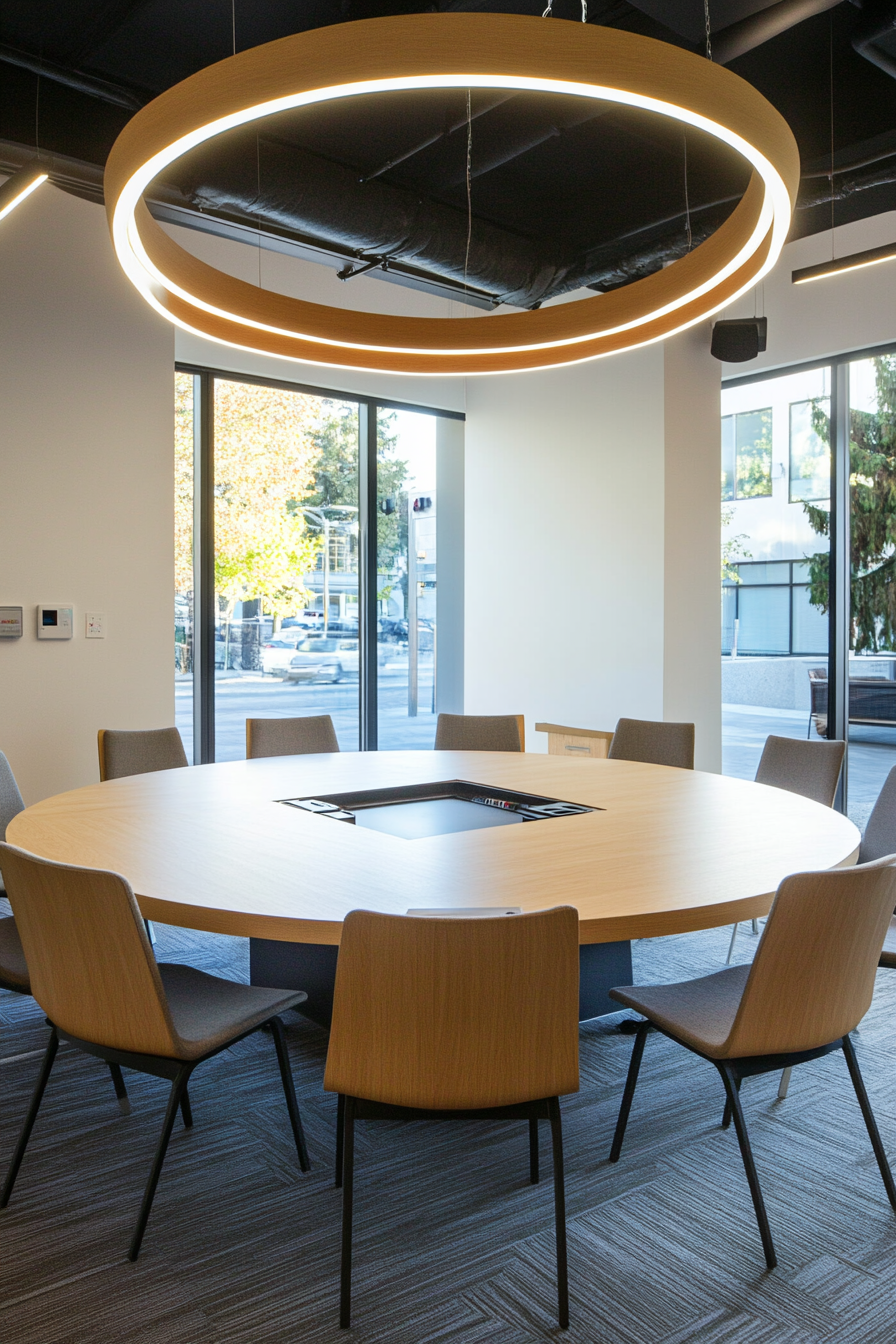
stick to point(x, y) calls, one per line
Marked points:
point(453, 51)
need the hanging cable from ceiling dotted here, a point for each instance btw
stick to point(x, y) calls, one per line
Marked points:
point(831, 96)
point(469, 180)
point(584, 11)
point(708, 38)
point(549, 12)
point(687, 203)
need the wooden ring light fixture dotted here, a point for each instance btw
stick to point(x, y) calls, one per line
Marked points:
point(453, 51)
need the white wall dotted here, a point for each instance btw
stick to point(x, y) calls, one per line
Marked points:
point(830, 316)
point(593, 541)
point(86, 491)
point(692, 685)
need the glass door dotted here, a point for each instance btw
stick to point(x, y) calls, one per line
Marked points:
point(872, 662)
point(776, 486)
point(286, 560)
point(184, 421)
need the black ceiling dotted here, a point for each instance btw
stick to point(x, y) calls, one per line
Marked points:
point(359, 183)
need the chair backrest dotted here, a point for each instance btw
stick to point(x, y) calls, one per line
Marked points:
point(812, 978)
point(880, 833)
point(91, 966)
point(290, 737)
point(456, 1014)
point(139, 752)
point(653, 742)
point(10, 799)
point(809, 768)
point(480, 732)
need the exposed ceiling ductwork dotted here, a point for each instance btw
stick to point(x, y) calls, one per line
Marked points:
point(547, 215)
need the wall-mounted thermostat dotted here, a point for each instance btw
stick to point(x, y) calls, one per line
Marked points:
point(55, 622)
point(10, 622)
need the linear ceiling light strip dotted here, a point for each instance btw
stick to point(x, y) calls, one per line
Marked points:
point(454, 51)
point(20, 185)
point(856, 262)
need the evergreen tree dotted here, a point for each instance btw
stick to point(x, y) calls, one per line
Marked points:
point(872, 498)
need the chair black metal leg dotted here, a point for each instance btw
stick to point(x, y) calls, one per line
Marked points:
point(628, 1094)
point(24, 1136)
point(178, 1088)
point(340, 1132)
point(289, 1092)
point(746, 1152)
point(533, 1152)
point(870, 1122)
point(726, 1114)
point(121, 1091)
point(348, 1182)
point(186, 1110)
point(560, 1213)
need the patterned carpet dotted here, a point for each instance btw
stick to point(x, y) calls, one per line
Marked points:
point(452, 1243)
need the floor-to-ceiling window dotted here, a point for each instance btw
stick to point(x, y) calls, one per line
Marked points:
point(406, 579)
point(184, 427)
point(305, 551)
point(788, 530)
point(775, 471)
point(872, 633)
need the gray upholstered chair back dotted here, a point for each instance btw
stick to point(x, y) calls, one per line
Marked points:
point(10, 799)
point(809, 768)
point(880, 833)
point(812, 978)
point(654, 743)
point(139, 752)
point(290, 737)
point(479, 732)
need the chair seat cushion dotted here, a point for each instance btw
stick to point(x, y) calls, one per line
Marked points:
point(699, 1012)
point(208, 1011)
point(13, 967)
point(888, 959)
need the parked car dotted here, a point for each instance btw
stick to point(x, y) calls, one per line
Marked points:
point(277, 653)
point(324, 660)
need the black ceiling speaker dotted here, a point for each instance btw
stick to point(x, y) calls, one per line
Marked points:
point(739, 340)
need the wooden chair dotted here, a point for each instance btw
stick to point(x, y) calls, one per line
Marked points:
point(467, 1019)
point(290, 737)
point(13, 966)
point(811, 769)
point(808, 987)
point(653, 742)
point(94, 975)
point(142, 751)
point(481, 732)
point(879, 840)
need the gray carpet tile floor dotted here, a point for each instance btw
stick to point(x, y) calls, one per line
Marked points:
point(452, 1244)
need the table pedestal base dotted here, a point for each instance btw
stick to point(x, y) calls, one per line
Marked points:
point(312, 967)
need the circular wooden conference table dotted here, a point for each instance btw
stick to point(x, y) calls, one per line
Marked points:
point(210, 847)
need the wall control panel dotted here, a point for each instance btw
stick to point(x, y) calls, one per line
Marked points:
point(10, 623)
point(94, 625)
point(56, 622)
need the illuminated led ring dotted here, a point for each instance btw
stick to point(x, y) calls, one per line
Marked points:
point(458, 51)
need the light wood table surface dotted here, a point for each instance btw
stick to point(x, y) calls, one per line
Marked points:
point(207, 847)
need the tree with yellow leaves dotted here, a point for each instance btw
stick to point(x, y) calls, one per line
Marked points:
point(266, 452)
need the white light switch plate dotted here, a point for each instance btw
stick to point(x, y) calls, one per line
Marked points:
point(94, 625)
